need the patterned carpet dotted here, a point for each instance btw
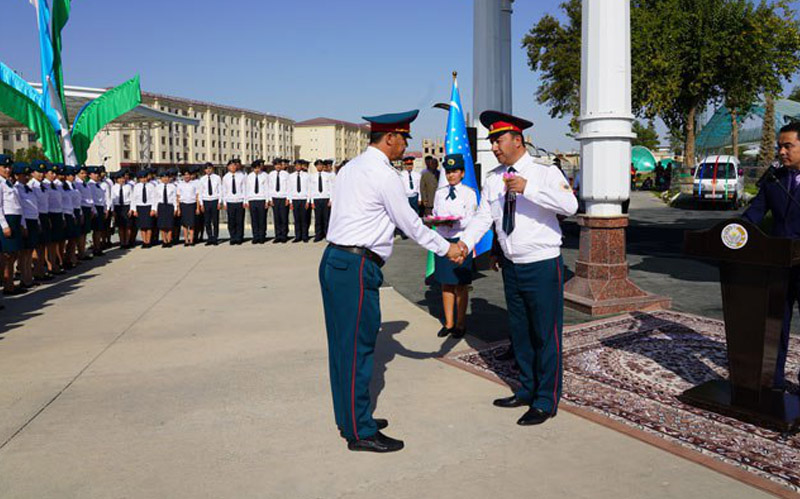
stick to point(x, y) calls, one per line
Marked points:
point(627, 371)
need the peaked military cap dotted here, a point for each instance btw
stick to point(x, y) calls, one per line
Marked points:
point(454, 162)
point(409, 158)
point(21, 168)
point(393, 123)
point(499, 123)
point(6, 160)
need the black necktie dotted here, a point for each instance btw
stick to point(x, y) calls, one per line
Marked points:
point(319, 182)
point(144, 193)
point(298, 181)
point(165, 194)
point(209, 185)
point(411, 181)
point(28, 189)
point(452, 193)
point(256, 183)
point(278, 181)
point(233, 184)
point(509, 209)
point(121, 195)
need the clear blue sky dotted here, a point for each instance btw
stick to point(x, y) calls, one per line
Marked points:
point(301, 59)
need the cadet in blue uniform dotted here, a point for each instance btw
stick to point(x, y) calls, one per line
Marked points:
point(12, 224)
point(30, 212)
point(370, 203)
point(786, 223)
point(454, 200)
point(524, 199)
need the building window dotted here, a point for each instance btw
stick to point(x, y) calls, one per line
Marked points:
point(19, 136)
point(163, 154)
point(163, 141)
point(126, 155)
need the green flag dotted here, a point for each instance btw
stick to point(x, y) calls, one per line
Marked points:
point(16, 105)
point(101, 111)
point(60, 17)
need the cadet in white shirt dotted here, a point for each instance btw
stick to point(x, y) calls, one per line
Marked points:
point(300, 195)
point(321, 186)
point(56, 217)
point(210, 194)
point(69, 199)
point(411, 182)
point(142, 197)
point(256, 199)
point(189, 207)
point(101, 208)
point(279, 199)
point(87, 209)
point(524, 199)
point(121, 196)
point(106, 184)
point(165, 204)
point(12, 224)
point(39, 257)
point(459, 201)
point(233, 192)
point(30, 212)
point(369, 203)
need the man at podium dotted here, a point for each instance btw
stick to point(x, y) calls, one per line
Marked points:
point(779, 193)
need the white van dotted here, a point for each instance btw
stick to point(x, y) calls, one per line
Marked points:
point(719, 179)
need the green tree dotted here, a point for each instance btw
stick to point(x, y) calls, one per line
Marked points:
point(30, 154)
point(766, 153)
point(646, 136)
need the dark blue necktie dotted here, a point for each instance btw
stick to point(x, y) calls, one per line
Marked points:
point(452, 193)
point(509, 209)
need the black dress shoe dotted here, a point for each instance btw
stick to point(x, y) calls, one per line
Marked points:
point(445, 331)
point(511, 401)
point(376, 443)
point(458, 332)
point(382, 424)
point(534, 416)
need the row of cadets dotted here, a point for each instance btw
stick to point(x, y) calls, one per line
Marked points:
point(257, 198)
point(300, 195)
point(280, 202)
point(233, 198)
point(322, 196)
point(210, 187)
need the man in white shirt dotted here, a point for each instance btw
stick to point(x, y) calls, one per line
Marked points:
point(210, 186)
point(524, 199)
point(279, 200)
point(300, 195)
point(233, 192)
point(256, 200)
point(411, 182)
point(321, 185)
point(370, 203)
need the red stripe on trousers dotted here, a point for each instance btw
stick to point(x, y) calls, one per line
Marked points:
point(355, 346)
point(558, 347)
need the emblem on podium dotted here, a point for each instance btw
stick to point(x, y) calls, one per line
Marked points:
point(734, 236)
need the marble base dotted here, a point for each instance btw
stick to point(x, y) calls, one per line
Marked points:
point(601, 285)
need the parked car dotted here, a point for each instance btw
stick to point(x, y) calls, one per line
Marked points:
point(719, 179)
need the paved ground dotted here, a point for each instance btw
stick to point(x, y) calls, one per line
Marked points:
point(655, 240)
point(201, 372)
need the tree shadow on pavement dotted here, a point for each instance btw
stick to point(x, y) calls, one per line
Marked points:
point(20, 309)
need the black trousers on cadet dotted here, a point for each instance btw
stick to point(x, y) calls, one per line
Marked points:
point(300, 220)
point(211, 219)
point(280, 215)
point(258, 220)
point(236, 222)
point(322, 214)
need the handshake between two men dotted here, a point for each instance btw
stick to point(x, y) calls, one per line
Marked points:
point(457, 253)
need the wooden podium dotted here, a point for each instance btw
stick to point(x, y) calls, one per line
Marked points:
point(754, 273)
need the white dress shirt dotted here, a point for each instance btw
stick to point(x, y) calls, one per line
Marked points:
point(53, 197)
point(85, 189)
point(66, 197)
point(464, 206)
point(158, 195)
point(370, 204)
point(283, 192)
point(187, 192)
point(216, 187)
point(227, 188)
point(303, 193)
point(327, 185)
point(415, 179)
point(137, 196)
point(98, 195)
point(27, 197)
point(10, 203)
point(263, 187)
point(75, 195)
point(106, 185)
point(125, 190)
point(41, 196)
point(537, 233)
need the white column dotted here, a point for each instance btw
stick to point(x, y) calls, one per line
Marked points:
point(606, 118)
point(491, 68)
